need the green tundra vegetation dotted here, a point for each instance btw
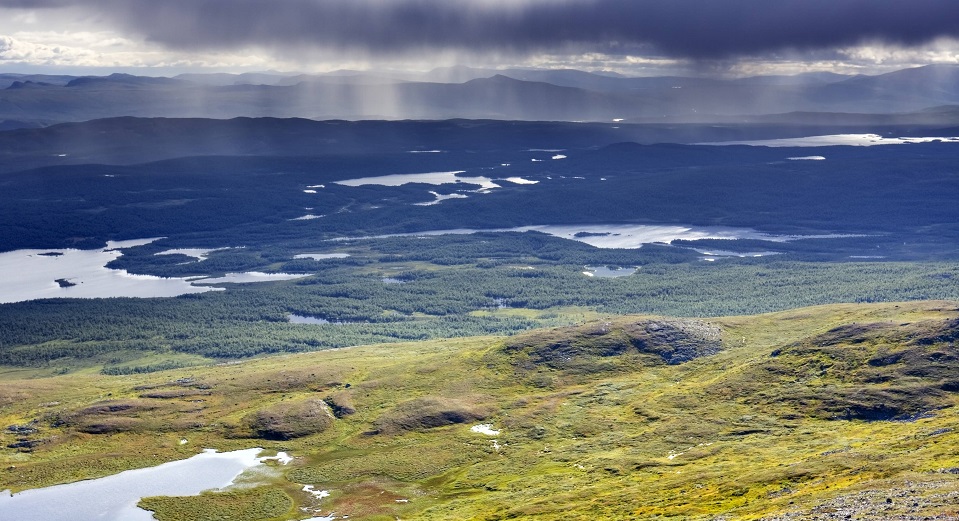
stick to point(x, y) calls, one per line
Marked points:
point(786, 415)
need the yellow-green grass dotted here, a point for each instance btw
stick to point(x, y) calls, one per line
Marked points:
point(617, 437)
point(257, 504)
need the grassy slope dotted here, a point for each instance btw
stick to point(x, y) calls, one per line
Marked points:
point(740, 433)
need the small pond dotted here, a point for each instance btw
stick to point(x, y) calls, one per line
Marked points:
point(248, 277)
point(607, 272)
point(321, 256)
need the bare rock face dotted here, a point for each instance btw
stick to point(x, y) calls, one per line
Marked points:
point(292, 419)
point(341, 403)
point(882, 371)
point(661, 340)
point(676, 340)
point(427, 413)
point(110, 416)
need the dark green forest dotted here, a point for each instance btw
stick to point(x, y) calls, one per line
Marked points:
point(886, 217)
point(446, 286)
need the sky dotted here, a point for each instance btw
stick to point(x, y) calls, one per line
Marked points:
point(632, 37)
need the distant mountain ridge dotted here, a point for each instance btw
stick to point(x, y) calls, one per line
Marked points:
point(130, 140)
point(511, 94)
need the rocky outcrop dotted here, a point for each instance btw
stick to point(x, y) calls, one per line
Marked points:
point(427, 413)
point(292, 419)
point(661, 340)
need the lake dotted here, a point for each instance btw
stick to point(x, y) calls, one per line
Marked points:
point(484, 184)
point(438, 198)
point(430, 178)
point(70, 273)
point(114, 498)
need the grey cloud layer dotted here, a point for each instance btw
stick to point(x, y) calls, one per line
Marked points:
point(698, 29)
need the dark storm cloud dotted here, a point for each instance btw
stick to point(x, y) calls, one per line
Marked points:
point(698, 29)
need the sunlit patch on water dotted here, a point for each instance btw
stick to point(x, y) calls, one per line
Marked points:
point(859, 140)
point(627, 236)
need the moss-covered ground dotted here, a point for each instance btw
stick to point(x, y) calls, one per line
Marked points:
point(786, 415)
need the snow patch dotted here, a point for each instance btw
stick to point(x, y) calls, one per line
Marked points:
point(281, 457)
point(485, 428)
point(318, 494)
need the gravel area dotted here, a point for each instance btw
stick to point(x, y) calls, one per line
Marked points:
point(909, 501)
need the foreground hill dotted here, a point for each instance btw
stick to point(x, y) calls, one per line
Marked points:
point(807, 414)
